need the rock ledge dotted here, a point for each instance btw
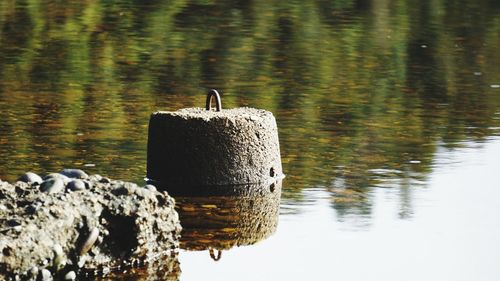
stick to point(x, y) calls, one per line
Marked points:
point(91, 223)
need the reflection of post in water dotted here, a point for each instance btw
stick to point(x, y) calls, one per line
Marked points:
point(220, 218)
point(212, 254)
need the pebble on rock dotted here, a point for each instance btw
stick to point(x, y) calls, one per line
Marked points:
point(76, 185)
point(52, 185)
point(45, 275)
point(51, 226)
point(33, 271)
point(57, 176)
point(104, 180)
point(74, 173)
point(150, 187)
point(70, 275)
point(59, 259)
point(87, 245)
point(30, 177)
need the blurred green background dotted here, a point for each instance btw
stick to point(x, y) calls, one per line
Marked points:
point(363, 91)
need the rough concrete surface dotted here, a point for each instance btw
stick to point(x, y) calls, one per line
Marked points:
point(106, 225)
point(195, 146)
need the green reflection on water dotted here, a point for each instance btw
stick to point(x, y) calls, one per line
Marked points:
point(363, 91)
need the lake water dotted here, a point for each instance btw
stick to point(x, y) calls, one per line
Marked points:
point(388, 116)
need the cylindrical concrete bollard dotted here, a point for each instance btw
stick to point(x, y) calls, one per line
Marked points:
point(198, 147)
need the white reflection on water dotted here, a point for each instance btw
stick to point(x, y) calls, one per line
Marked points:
point(453, 233)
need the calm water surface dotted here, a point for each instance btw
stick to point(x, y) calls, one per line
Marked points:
point(389, 117)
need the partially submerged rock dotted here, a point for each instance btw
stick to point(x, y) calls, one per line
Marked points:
point(74, 173)
point(98, 224)
point(30, 177)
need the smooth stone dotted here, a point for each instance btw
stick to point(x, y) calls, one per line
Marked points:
point(88, 184)
point(106, 270)
point(52, 185)
point(33, 271)
point(59, 259)
point(76, 185)
point(57, 176)
point(74, 173)
point(95, 177)
point(143, 192)
point(45, 275)
point(70, 275)
point(58, 250)
point(81, 261)
point(30, 177)
point(150, 187)
point(104, 180)
point(89, 242)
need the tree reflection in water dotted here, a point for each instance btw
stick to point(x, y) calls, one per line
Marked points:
point(363, 91)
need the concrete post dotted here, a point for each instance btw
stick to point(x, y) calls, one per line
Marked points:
point(199, 147)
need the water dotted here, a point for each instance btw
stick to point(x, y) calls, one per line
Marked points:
point(389, 118)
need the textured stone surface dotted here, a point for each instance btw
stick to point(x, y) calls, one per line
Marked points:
point(108, 225)
point(194, 146)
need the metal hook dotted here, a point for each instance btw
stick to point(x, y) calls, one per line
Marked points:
point(218, 105)
point(212, 254)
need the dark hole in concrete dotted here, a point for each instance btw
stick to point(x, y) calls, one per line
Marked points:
point(272, 187)
point(13, 223)
point(120, 191)
point(161, 201)
point(6, 251)
point(30, 209)
point(20, 191)
point(22, 204)
point(271, 172)
point(122, 238)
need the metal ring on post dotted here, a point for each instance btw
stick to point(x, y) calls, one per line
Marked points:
point(218, 105)
point(212, 254)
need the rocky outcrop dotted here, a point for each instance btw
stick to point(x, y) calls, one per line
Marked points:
point(71, 223)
